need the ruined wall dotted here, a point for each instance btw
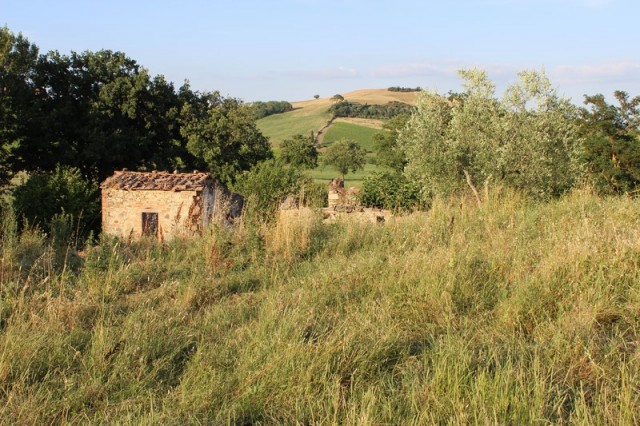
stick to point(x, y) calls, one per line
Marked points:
point(179, 212)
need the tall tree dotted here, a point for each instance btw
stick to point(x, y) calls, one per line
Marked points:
point(345, 155)
point(528, 140)
point(222, 134)
point(612, 142)
point(17, 95)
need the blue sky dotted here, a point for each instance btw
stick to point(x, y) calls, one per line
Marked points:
point(294, 49)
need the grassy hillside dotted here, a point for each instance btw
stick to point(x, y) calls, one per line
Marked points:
point(361, 134)
point(279, 127)
point(513, 313)
point(312, 115)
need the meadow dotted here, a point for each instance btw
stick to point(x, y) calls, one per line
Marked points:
point(512, 312)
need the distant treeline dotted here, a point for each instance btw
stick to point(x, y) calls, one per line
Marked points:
point(265, 109)
point(357, 110)
point(404, 89)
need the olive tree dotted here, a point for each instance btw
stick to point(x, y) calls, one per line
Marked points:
point(528, 140)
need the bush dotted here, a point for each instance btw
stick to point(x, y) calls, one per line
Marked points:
point(266, 185)
point(391, 191)
point(45, 195)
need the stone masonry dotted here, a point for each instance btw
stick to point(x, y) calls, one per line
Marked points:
point(162, 204)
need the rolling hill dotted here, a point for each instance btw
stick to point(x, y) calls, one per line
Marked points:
point(313, 115)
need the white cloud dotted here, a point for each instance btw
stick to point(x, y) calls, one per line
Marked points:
point(613, 71)
point(442, 69)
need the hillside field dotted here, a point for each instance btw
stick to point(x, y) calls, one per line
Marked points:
point(514, 312)
point(312, 115)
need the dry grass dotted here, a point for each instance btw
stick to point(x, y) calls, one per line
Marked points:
point(509, 313)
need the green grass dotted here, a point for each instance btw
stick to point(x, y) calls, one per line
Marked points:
point(361, 134)
point(512, 313)
point(279, 127)
point(326, 173)
point(364, 137)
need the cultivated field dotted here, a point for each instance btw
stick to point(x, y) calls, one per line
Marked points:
point(312, 115)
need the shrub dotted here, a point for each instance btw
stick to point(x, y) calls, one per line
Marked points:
point(64, 190)
point(299, 151)
point(266, 185)
point(391, 191)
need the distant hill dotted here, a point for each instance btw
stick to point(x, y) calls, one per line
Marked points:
point(313, 115)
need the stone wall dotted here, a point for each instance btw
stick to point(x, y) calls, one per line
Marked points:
point(179, 212)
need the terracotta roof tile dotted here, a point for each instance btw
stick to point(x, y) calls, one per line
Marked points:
point(157, 181)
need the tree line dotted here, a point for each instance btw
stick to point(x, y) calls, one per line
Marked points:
point(70, 120)
point(531, 139)
point(65, 117)
point(265, 109)
point(358, 110)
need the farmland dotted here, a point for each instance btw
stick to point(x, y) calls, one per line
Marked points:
point(313, 115)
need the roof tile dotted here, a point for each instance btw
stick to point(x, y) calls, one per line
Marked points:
point(157, 181)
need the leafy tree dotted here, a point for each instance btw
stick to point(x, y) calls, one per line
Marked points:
point(222, 134)
point(299, 151)
point(345, 155)
point(98, 112)
point(337, 98)
point(612, 143)
point(388, 152)
point(266, 185)
point(528, 140)
point(316, 96)
point(64, 190)
point(17, 96)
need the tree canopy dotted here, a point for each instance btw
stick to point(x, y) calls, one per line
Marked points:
point(345, 155)
point(612, 142)
point(101, 111)
point(528, 139)
point(299, 151)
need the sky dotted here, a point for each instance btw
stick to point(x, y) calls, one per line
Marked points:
point(294, 49)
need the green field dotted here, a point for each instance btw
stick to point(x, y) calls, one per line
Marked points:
point(361, 134)
point(325, 174)
point(279, 127)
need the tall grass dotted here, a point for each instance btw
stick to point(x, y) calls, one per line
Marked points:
point(510, 313)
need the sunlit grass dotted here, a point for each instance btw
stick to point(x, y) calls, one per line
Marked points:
point(514, 312)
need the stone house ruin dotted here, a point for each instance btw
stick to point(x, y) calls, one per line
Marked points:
point(343, 202)
point(163, 204)
point(340, 198)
